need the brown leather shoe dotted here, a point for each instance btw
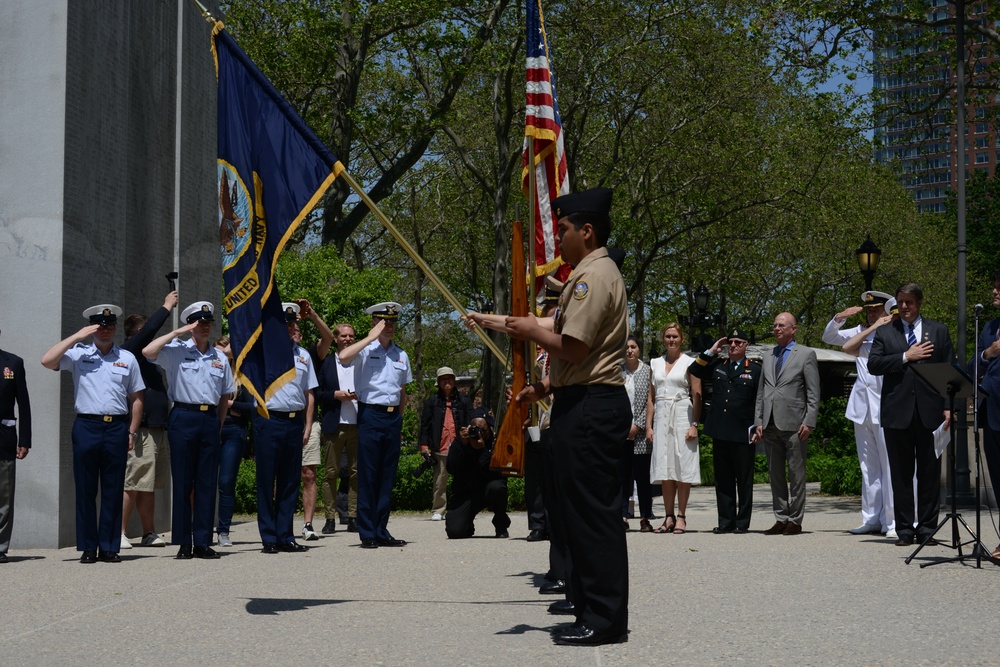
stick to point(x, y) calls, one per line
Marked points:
point(777, 529)
point(996, 553)
point(792, 529)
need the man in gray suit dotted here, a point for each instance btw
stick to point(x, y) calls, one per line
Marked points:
point(787, 405)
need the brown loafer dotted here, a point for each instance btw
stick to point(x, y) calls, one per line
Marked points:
point(777, 529)
point(792, 529)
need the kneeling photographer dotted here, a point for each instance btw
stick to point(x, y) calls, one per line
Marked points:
point(474, 487)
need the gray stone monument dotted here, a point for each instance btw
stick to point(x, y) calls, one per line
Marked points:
point(107, 182)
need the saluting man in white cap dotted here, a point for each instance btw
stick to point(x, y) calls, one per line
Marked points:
point(108, 388)
point(279, 440)
point(381, 374)
point(863, 410)
point(199, 381)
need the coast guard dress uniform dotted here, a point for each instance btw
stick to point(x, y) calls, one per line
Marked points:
point(278, 440)
point(381, 374)
point(107, 384)
point(197, 383)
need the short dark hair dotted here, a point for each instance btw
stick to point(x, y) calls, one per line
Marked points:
point(133, 323)
point(638, 343)
point(910, 288)
point(599, 221)
point(996, 276)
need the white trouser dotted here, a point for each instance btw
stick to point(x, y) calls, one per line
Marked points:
point(876, 487)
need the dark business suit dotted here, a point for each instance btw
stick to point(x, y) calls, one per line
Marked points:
point(13, 389)
point(989, 406)
point(728, 422)
point(910, 411)
point(785, 402)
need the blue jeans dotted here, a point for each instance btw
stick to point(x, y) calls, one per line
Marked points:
point(233, 440)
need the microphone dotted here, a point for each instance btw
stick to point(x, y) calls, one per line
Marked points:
point(979, 308)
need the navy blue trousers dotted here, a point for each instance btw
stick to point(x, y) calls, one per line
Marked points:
point(378, 457)
point(230, 456)
point(278, 445)
point(100, 451)
point(194, 465)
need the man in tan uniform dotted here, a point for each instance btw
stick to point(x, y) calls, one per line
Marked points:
point(590, 418)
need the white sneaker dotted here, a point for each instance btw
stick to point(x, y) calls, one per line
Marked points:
point(892, 534)
point(436, 516)
point(151, 539)
point(308, 533)
point(864, 529)
point(125, 543)
point(224, 540)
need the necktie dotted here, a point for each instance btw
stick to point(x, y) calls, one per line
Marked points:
point(779, 357)
point(911, 337)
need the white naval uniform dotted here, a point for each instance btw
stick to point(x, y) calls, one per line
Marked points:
point(863, 410)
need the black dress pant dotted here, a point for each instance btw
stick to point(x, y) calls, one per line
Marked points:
point(909, 447)
point(559, 564)
point(635, 472)
point(589, 426)
point(991, 451)
point(734, 463)
point(533, 485)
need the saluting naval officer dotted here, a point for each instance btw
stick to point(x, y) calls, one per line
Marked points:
point(278, 441)
point(591, 416)
point(108, 389)
point(199, 382)
point(381, 374)
point(730, 417)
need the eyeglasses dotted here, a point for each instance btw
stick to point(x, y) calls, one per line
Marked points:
point(737, 342)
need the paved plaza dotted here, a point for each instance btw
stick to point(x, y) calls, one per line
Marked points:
point(821, 598)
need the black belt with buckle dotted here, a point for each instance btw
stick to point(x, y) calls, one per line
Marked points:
point(297, 414)
point(104, 418)
point(382, 408)
point(196, 407)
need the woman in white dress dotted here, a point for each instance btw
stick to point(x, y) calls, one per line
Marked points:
point(672, 413)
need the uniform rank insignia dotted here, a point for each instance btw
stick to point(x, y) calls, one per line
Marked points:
point(7, 373)
point(580, 290)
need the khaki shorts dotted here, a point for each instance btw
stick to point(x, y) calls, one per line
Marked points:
point(148, 465)
point(310, 453)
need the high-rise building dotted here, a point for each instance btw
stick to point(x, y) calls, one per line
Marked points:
point(925, 145)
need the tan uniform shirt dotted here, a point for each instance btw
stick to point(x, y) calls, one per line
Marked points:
point(593, 309)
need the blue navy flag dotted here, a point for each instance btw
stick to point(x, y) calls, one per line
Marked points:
point(272, 171)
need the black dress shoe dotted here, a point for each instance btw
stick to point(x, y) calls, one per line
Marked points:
point(330, 527)
point(563, 607)
point(109, 557)
point(3, 556)
point(904, 541)
point(269, 548)
point(292, 547)
point(502, 534)
point(369, 544)
point(719, 530)
point(185, 553)
point(206, 552)
point(553, 587)
point(391, 542)
point(741, 531)
point(88, 557)
point(581, 635)
point(537, 535)
point(352, 526)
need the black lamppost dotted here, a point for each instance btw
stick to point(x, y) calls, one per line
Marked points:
point(868, 257)
point(702, 320)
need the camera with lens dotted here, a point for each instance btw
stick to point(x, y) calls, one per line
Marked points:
point(474, 432)
point(425, 465)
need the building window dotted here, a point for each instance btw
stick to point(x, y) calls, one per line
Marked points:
point(982, 158)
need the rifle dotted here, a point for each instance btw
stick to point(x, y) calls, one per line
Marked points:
point(508, 450)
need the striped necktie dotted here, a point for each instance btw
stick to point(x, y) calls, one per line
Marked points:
point(911, 336)
point(779, 358)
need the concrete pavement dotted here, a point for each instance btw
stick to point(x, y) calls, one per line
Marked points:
point(821, 598)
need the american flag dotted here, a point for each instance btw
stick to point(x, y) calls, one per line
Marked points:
point(541, 121)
